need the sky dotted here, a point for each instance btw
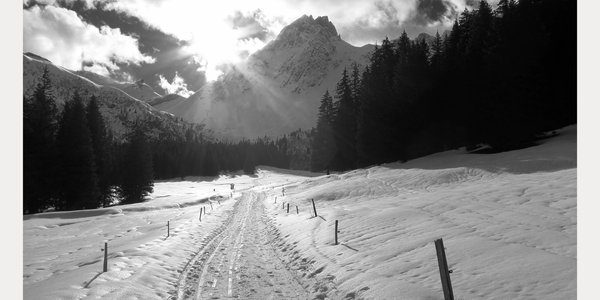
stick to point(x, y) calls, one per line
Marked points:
point(176, 46)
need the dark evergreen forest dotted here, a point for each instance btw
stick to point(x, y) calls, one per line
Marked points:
point(500, 78)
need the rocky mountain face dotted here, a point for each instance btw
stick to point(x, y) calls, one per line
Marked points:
point(304, 54)
point(120, 109)
point(278, 89)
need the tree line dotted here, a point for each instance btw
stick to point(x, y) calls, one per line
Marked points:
point(501, 77)
point(71, 160)
point(192, 156)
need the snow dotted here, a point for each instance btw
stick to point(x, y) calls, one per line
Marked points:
point(508, 220)
point(62, 255)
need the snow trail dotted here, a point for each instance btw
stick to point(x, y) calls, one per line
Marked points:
point(242, 260)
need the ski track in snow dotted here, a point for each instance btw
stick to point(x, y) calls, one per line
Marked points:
point(242, 259)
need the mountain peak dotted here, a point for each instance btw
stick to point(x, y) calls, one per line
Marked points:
point(307, 28)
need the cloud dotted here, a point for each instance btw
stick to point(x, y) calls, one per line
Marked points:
point(472, 3)
point(432, 11)
point(249, 24)
point(177, 86)
point(358, 21)
point(59, 35)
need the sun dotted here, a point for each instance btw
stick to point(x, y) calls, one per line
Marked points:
point(213, 48)
point(216, 43)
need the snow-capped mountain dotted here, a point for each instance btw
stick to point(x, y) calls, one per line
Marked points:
point(278, 88)
point(305, 53)
point(120, 109)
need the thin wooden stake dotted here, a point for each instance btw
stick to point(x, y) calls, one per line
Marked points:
point(200, 216)
point(105, 267)
point(444, 273)
point(336, 231)
point(288, 208)
point(314, 207)
point(168, 228)
point(297, 209)
point(211, 208)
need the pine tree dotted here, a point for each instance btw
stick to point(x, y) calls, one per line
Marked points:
point(79, 184)
point(344, 125)
point(375, 115)
point(403, 50)
point(355, 83)
point(39, 147)
point(436, 53)
point(365, 123)
point(451, 48)
point(100, 143)
point(323, 144)
point(137, 175)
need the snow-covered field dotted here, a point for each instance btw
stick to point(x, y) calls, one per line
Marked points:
point(508, 221)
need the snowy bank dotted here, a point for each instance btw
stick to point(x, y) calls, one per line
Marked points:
point(508, 221)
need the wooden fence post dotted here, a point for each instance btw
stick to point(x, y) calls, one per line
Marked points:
point(336, 231)
point(168, 228)
point(314, 207)
point(297, 209)
point(105, 267)
point(211, 208)
point(288, 208)
point(200, 216)
point(204, 209)
point(444, 273)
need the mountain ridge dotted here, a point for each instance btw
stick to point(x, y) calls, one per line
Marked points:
point(120, 110)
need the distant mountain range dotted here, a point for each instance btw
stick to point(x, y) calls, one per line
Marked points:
point(122, 104)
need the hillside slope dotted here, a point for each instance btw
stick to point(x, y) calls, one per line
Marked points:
point(138, 90)
point(120, 110)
